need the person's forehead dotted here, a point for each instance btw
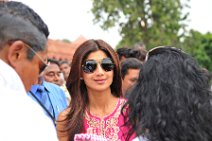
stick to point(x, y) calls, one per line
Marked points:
point(133, 71)
point(52, 67)
point(97, 55)
point(64, 65)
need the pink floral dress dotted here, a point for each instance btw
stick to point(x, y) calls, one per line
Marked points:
point(110, 127)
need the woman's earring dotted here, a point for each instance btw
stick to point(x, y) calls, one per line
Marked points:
point(81, 78)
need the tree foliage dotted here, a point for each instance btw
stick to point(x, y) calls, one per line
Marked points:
point(155, 22)
point(200, 47)
point(66, 40)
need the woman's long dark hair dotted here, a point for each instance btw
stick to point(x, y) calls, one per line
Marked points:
point(171, 100)
point(77, 88)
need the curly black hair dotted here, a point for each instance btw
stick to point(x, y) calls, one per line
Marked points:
point(171, 100)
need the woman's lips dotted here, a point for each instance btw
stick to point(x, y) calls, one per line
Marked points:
point(100, 81)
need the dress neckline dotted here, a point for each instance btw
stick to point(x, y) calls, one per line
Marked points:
point(106, 116)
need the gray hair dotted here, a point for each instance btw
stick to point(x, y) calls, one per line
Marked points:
point(19, 22)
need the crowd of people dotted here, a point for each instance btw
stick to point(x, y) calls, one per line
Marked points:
point(128, 94)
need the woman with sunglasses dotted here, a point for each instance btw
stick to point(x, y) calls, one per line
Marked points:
point(172, 99)
point(94, 83)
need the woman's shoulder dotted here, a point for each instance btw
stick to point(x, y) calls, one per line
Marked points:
point(122, 101)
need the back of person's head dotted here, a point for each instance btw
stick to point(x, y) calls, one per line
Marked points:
point(140, 45)
point(209, 74)
point(172, 98)
point(19, 22)
point(130, 63)
point(138, 53)
point(123, 53)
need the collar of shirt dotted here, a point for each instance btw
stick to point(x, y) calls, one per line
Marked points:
point(10, 79)
point(35, 88)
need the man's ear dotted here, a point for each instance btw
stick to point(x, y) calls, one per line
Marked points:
point(16, 53)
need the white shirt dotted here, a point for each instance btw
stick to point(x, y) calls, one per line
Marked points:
point(21, 118)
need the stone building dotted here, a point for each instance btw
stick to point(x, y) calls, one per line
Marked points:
point(61, 50)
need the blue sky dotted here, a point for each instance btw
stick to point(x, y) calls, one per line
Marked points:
point(68, 19)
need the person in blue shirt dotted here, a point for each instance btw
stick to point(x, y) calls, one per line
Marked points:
point(50, 97)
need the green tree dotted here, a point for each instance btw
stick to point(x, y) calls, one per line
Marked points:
point(200, 47)
point(155, 22)
point(66, 40)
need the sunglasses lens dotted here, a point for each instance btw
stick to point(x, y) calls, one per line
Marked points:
point(107, 64)
point(89, 66)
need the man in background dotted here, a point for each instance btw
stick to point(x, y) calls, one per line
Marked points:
point(23, 37)
point(65, 68)
point(130, 69)
point(123, 53)
point(50, 97)
point(53, 74)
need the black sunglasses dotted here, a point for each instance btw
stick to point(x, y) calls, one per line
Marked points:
point(90, 65)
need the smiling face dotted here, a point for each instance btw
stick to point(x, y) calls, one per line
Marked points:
point(99, 80)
